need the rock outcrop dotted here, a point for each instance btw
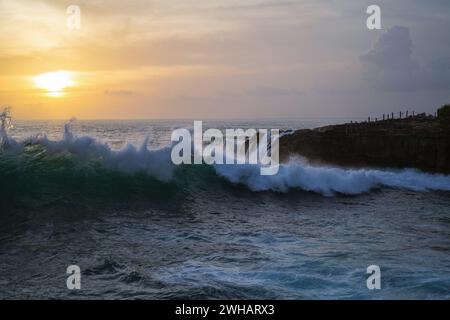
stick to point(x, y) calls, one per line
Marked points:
point(421, 142)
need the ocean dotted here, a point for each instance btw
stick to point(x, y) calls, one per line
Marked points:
point(103, 195)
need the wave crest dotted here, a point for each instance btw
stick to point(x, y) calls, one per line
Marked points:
point(129, 159)
point(296, 174)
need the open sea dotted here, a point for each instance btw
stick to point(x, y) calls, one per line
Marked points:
point(105, 196)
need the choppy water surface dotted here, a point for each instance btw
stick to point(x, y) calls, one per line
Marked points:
point(205, 232)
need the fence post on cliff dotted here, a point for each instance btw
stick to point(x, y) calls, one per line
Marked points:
point(392, 116)
point(400, 114)
point(406, 113)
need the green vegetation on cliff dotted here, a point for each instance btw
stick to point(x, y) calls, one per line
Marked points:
point(444, 114)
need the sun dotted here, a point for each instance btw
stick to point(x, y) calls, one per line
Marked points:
point(54, 82)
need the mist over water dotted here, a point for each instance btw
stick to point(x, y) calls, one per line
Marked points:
point(104, 195)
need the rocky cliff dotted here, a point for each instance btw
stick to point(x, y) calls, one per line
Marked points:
point(416, 142)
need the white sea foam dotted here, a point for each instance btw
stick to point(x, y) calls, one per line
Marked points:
point(129, 159)
point(299, 174)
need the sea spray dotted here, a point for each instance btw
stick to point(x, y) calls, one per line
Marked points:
point(129, 160)
point(5, 126)
point(237, 146)
point(298, 174)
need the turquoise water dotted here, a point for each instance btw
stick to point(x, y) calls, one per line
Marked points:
point(140, 228)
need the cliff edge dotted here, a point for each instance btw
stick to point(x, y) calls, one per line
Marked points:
point(421, 142)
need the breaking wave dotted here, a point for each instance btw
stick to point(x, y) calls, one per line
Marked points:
point(87, 161)
point(298, 174)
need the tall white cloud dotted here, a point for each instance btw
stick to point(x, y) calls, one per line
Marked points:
point(389, 65)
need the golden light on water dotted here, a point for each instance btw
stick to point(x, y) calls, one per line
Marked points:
point(54, 82)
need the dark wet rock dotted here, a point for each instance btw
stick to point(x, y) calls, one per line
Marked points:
point(421, 142)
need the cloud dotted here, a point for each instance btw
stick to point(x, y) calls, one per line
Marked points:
point(389, 65)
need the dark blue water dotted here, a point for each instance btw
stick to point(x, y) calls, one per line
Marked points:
point(198, 235)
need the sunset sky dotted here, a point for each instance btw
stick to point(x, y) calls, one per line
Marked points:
point(216, 59)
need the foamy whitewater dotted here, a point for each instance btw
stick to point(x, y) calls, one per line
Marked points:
point(106, 196)
point(297, 174)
